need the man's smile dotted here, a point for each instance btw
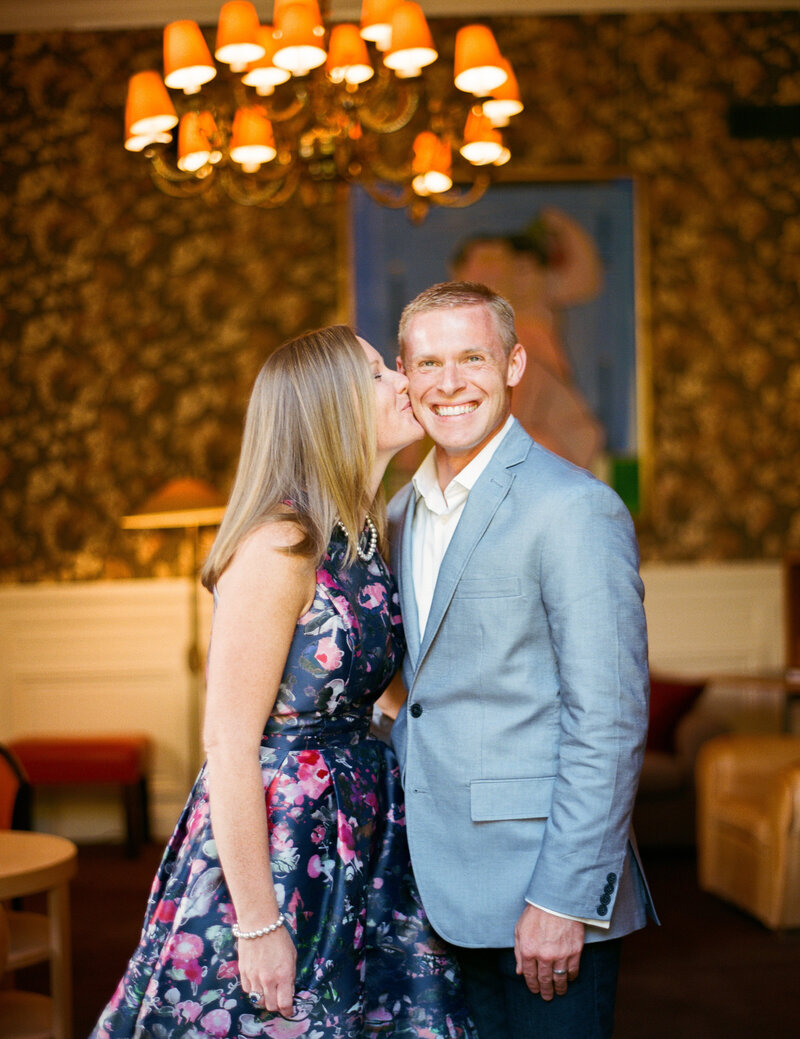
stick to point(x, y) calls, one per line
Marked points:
point(446, 410)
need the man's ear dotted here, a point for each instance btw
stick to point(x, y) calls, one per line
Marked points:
point(399, 362)
point(517, 360)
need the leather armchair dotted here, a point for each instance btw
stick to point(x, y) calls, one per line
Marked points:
point(748, 824)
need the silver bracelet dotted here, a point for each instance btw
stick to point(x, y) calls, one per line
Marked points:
point(261, 931)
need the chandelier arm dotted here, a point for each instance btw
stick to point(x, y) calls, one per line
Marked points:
point(390, 199)
point(465, 198)
point(269, 195)
point(180, 188)
point(409, 103)
point(283, 115)
point(160, 168)
point(384, 172)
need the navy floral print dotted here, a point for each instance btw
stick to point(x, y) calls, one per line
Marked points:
point(368, 962)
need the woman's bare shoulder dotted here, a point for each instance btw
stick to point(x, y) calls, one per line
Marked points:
point(264, 558)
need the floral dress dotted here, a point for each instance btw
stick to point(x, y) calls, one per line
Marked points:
point(368, 962)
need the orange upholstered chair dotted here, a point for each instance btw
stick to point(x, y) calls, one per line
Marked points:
point(15, 792)
point(748, 824)
point(120, 761)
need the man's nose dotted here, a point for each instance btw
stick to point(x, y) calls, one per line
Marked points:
point(451, 378)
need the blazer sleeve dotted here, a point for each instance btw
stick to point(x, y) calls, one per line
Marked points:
point(593, 597)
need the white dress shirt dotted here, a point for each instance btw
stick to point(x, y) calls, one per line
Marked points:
point(436, 516)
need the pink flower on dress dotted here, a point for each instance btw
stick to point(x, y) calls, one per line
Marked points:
point(372, 595)
point(165, 911)
point(345, 843)
point(313, 774)
point(216, 1022)
point(229, 969)
point(280, 1028)
point(328, 654)
point(185, 947)
point(314, 866)
point(189, 1010)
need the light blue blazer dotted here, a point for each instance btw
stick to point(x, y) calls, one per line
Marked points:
point(522, 738)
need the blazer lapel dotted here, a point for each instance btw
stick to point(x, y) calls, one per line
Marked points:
point(405, 581)
point(483, 501)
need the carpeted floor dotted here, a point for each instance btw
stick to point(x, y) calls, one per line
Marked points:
point(709, 972)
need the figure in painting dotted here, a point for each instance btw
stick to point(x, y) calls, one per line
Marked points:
point(551, 264)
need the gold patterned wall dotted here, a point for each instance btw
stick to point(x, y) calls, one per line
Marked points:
point(131, 324)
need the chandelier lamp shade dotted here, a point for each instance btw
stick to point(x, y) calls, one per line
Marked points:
point(301, 104)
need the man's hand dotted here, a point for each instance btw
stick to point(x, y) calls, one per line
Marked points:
point(544, 946)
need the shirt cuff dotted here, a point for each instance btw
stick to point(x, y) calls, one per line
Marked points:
point(602, 924)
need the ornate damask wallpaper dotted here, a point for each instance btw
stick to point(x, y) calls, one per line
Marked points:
point(132, 324)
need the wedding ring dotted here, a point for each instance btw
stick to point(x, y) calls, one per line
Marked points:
point(559, 971)
point(255, 998)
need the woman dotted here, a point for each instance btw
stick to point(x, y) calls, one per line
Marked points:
point(301, 920)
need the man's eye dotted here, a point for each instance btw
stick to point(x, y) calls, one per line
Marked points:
point(377, 375)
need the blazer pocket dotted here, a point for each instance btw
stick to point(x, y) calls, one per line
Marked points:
point(495, 799)
point(487, 587)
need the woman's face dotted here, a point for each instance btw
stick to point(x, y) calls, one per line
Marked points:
point(394, 419)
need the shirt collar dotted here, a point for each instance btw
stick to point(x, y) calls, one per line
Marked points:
point(426, 482)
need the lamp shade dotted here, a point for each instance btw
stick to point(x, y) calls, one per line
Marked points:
point(148, 109)
point(504, 101)
point(431, 164)
point(412, 47)
point(195, 140)
point(483, 144)
point(478, 68)
point(348, 61)
point(183, 502)
point(279, 6)
point(299, 41)
point(187, 59)
point(252, 139)
point(376, 21)
point(237, 35)
point(264, 74)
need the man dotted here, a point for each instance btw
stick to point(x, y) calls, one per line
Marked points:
point(522, 736)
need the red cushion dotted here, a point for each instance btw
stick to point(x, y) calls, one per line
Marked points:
point(83, 759)
point(669, 701)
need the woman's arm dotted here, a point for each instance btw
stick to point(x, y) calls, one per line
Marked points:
point(261, 595)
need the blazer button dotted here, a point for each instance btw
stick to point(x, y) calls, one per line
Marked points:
point(609, 889)
point(612, 878)
point(602, 910)
point(605, 898)
point(416, 710)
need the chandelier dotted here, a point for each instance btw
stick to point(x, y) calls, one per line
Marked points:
point(302, 106)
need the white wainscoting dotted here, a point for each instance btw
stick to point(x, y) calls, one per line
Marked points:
point(111, 657)
point(102, 657)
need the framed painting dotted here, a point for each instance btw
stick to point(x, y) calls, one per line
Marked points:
point(568, 254)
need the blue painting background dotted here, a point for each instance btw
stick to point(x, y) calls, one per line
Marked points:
point(395, 259)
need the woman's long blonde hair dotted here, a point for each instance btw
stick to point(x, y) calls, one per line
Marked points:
point(308, 447)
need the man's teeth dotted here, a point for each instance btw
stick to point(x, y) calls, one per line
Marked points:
point(454, 409)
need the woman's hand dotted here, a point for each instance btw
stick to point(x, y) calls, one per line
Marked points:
point(268, 965)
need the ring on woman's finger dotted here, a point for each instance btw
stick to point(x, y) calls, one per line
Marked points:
point(255, 998)
point(559, 971)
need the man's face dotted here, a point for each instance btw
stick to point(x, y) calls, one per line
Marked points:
point(460, 378)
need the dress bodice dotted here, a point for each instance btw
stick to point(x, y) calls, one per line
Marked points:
point(346, 648)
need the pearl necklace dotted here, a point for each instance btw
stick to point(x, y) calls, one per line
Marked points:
point(363, 555)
